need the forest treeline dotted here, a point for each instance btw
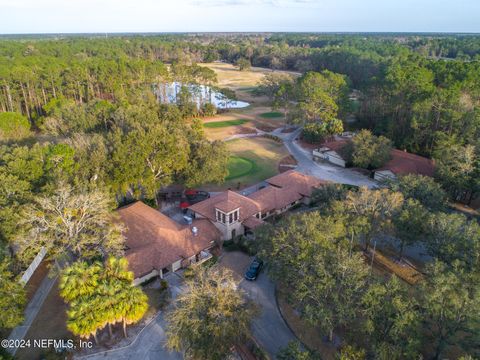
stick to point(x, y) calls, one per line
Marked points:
point(82, 129)
point(409, 93)
point(420, 91)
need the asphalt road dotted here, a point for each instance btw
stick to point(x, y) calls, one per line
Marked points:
point(322, 170)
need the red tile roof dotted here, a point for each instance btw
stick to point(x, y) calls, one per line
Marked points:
point(253, 222)
point(226, 201)
point(403, 163)
point(272, 198)
point(303, 184)
point(154, 241)
point(283, 190)
point(335, 145)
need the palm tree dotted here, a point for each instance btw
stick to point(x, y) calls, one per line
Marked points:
point(134, 305)
point(101, 295)
point(84, 322)
point(118, 269)
point(79, 280)
point(130, 302)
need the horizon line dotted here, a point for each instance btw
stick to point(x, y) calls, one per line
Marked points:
point(243, 32)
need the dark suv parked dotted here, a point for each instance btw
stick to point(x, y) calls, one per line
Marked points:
point(254, 269)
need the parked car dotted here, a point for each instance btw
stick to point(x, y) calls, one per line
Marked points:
point(195, 196)
point(254, 269)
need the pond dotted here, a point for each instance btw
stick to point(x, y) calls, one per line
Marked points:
point(200, 94)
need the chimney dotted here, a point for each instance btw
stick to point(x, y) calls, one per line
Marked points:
point(195, 231)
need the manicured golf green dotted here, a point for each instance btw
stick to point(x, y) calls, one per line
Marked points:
point(226, 123)
point(271, 115)
point(239, 166)
point(263, 154)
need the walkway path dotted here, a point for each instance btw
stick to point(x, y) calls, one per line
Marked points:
point(33, 308)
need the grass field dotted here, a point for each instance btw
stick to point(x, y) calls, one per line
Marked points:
point(271, 115)
point(242, 82)
point(239, 166)
point(226, 123)
point(263, 155)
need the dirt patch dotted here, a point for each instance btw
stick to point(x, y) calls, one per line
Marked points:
point(50, 323)
point(252, 113)
point(405, 269)
point(287, 163)
point(308, 146)
point(37, 278)
point(226, 132)
point(466, 210)
point(288, 130)
point(265, 127)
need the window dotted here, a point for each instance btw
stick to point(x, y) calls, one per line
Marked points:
point(235, 217)
point(219, 216)
point(230, 218)
point(223, 219)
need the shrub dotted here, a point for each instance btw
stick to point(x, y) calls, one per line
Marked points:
point(325, 195)
point(188, 273)
point(13, 126)
point(272, 137)
point(248, 246)
point(314, 133)
point(230, 245)
point(163, 285)
point(243, 64)
point(208, 109)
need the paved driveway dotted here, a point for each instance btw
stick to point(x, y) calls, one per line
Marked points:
point(269, 329)
point(324, 171)
point(150, 342)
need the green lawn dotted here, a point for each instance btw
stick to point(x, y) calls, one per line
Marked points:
point(239, 166)
point(263, 154)
point(271, 115)
point(226, 123)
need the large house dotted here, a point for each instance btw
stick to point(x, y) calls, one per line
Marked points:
point(404, 163)
point(234, 214)
point(157, 245)
point(401, 162)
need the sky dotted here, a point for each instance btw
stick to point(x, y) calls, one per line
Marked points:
point(92, 16)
